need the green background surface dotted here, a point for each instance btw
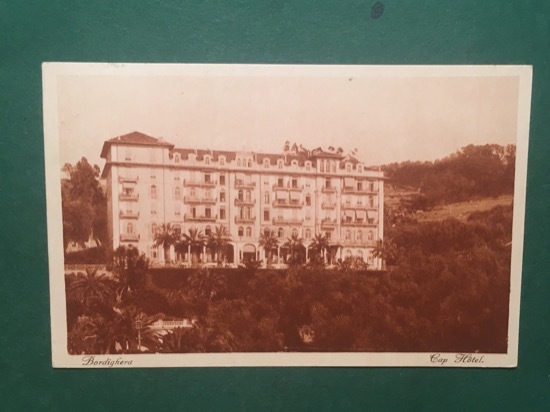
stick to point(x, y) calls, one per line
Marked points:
point(276, 31)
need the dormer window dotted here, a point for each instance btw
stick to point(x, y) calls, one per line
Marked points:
point(176, 158)
point(238, 162)
point(280, 163)
point(308, 166)
point(206, 160)
point(295, 163)
point(222, 160)
point(348, 167)
point(266, 163)
point(359, 168)
point(249, 163)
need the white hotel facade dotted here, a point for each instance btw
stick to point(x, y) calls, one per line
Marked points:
point(150, 183)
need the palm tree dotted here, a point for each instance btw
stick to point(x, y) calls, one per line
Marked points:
point(268, 241)
point(165, 236)
point(218, 241)
point(294, 245)
point(196, 240)
point(319, 245)
point(91, 289)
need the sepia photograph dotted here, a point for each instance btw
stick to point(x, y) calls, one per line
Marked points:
point(285, 215)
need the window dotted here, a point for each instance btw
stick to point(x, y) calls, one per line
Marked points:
point(194, 211)
point(333, 165)
point(222, 213)
point(208, 231)
point(130, 228)
point(327, 183)
point(154, 229)
point(153, 252)
point(222, 196)
point(266, 163)
point(266, 215)
point(280, 232)
point(239, 162)
point(348, 167)
point(308, 166)
point(207, 178)
point(371, 235)
point(207, 212)
point(266, 197)
point(308, 200)
point(177, 192)
point(208, 194)
point(240, 195)
point(322, 166)
point(348, 235)
point(192, 192)
point(371, 201)
point(177, 209)
point(371, 186)
point(294, 183)
point(248, 212)
point(222, 180)
point(153, 192)
point(280, 164)
point(206, 160)
point(240, 231)
point(248, 196)
point(177, 175)
point(359, 186)
point(176, 158)
point(249, 163)
point(294, 232)
point(359, 236)
point(280, 182)
point(327, 235)
point(359, 169)
point(248, 231)
point(153, 209)
point(308, 233)
point(294, 163)
point(128, 155)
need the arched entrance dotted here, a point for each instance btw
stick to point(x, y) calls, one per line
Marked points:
point(249, 252)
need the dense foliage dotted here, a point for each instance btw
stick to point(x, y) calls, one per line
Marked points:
point(473, 171)
point(448, 291)
point(84, 205)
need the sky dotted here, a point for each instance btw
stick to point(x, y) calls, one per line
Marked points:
point(387, 118)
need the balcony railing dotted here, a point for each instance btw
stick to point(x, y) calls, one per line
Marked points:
point(290, 204)
point(199, 200)
point(330, 189)
point(250, 219)
point(357, 206)
point(191, 218)
point(122, 179)
point(328, 223)
point(241, 184)
point(358, 243)
point(129, 237)
point(328, 205)
point(287, 221)
point(288, 186)
point(128, 197)
point(357, 191)
point(200, 183)
point(357, 222)
point(126, 214)
point(243, 202)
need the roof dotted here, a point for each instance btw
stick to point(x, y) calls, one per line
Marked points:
point(134, 138)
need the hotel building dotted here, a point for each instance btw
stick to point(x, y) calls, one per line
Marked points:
point(150, 182)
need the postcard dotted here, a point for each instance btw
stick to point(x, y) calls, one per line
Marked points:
point(285, 215)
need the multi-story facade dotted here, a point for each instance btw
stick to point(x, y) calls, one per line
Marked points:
point(150, 183)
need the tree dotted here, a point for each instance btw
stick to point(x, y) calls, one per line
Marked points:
point(318, 246)
point(84, 205)
point(268, 242)
point(165, 237)
point(218, 241)
point(91, 290)
point(196, 240)
point(130, 267)
point(294, 245)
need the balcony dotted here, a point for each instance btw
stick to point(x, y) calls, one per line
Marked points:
point(356, 191)
point(288, 186)
point(358, 222)
point(199, 183)
point(240, 220)
point(199, 200)
point(196, 218)
point(287, 221)
point(357, 206)
point(328, 223)
point(329, 189)
point(122, 179)
point(129, 237)
point(358, 243)
point(243, 202)
point(287, 204)
point(133, 197)
point(328, 205)
point(126, 214)
point(241, 184)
